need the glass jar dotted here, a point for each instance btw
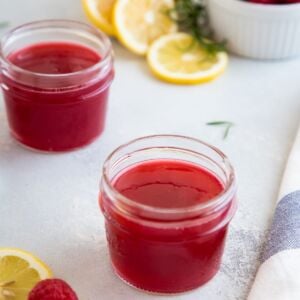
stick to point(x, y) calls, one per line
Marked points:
point(55, 77)
point(166, 249)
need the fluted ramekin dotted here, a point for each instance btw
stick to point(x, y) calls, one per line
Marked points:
point(257, 30)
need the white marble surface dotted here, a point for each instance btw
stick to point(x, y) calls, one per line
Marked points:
point(48, 203)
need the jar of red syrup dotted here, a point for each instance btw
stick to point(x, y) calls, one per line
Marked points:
point(167, 202)
point(55, 77)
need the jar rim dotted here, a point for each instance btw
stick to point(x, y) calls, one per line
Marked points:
point(105, 58)
point(221, 199)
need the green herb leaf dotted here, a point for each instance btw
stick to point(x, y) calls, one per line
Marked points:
point(228, 125)
point(227, 130)
point(191, 17)
point(4, 24)
point(219, 123)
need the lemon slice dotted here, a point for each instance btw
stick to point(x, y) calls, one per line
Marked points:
point(99, 12)
point(19, 273)
point(139, 22)
point(179, 58)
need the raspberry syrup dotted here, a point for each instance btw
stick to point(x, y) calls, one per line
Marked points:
point(165, 256)
point(58, 117)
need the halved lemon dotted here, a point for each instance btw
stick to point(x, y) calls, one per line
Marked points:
point(140, 22)
point(20, 271)
point(99, 12)
point(179, 58)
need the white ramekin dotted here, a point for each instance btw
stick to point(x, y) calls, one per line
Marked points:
point(257, 30)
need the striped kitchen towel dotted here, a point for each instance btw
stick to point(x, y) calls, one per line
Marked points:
point(278, 277)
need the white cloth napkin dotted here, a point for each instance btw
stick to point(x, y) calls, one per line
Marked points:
point(278, 277)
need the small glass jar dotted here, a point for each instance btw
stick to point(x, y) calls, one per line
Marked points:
point(167, 250)
point(56, 111)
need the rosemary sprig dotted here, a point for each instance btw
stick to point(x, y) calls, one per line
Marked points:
point(191, 17)
point(226, 124)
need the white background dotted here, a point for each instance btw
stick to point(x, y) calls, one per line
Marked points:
point(48, 203)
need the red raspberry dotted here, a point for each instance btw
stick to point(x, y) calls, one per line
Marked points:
point(274, 1)
point(291, 1)
point(52, 289)
point(266, 1)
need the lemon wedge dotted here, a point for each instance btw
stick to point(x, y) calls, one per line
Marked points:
point(20, 271)
point(139, 22)
point(179, 58)
point(99, 12)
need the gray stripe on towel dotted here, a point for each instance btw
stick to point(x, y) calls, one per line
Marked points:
point(285, 229)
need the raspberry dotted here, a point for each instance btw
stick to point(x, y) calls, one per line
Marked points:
point(291, 1)
point(52, 289)
point(274, 1)
point(266, 1)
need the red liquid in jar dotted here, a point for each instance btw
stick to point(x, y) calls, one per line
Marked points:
point(170, 259)
point(168, 184)
point(56, 118)
point(54, 58)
